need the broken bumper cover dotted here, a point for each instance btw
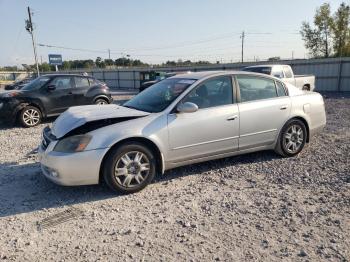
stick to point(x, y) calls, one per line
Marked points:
point(8, 110)
point(71, 169)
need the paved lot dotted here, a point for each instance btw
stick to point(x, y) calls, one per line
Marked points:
point(253, 207)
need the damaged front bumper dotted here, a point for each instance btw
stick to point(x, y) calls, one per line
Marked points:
point(8, 110)
point(70, 169)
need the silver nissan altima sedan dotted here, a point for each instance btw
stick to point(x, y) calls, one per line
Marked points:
point(181, 120)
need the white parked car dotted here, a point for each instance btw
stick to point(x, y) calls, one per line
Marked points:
point(181, 120)
point(286, 74)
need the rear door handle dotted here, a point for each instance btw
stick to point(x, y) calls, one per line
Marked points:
point(283, 107)
point(230, 118)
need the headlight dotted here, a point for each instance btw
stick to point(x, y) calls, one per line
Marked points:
point(73, 144)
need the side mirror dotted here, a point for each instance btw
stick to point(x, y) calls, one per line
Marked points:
point(187, 107)
point(51, 87)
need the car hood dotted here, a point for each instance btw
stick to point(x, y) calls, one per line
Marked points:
point(78, 116)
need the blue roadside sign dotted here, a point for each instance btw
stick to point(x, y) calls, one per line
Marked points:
point(55, 59)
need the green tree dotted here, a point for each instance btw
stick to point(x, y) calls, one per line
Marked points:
point(318, 38)
point(341, 30)
point(44, 67)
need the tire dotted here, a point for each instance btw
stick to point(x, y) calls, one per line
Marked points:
point(30, 116)
point(292, 138)
point(122, 169)
point(306, 88)
point(101, 101)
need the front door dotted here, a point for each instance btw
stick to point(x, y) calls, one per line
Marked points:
point(59, 99)
point(211, 130)
point(264, 108)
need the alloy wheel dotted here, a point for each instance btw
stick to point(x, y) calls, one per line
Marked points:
point(101, 102)
point(31, 117)
point(132, 169)
point(293, 139)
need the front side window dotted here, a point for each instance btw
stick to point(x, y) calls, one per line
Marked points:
point(81, 82)
point(256, 88)
point(211, 93)
point(62, 82)
point(160, 95)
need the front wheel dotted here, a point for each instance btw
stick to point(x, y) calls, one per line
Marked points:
point(129, 168)
point(30, 116)
point(292, 138)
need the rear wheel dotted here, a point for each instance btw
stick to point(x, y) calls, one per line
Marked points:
point(101, 101)
point(129, 168)
point(292, 138)
point(306, 88)
point(30, 116)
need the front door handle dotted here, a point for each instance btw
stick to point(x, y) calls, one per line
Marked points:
point(230, 118)
point(283, 107)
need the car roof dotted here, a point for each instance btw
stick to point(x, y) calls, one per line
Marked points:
point(205, 74)
point(265, 65)
point(54, 75)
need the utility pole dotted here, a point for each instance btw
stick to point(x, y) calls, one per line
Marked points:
point(109, 53)
point(29, 28)
point(242, 37)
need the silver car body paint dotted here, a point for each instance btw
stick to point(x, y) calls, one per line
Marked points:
point(182, 138)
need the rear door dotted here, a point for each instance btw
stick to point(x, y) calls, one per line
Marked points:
point(211, 130)
point(62, 97)
point(264, 107)
point(79, 92)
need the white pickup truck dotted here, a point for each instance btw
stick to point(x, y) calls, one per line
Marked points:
point(285, 73)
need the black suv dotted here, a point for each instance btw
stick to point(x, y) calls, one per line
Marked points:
point(50, 95)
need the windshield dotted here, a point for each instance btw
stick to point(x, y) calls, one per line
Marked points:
point(261, 69)
point(160, 95)
point(36, 84)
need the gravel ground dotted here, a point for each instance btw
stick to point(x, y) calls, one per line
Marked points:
point(255, 207)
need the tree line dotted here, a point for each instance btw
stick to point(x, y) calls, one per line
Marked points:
point(329, 36)
point(103, 64)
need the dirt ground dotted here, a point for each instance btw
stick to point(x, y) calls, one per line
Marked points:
point(254, 207)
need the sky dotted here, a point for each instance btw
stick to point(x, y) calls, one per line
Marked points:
point(155, 31)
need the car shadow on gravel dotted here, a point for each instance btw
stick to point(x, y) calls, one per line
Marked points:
point(213, 165)
point(24, 189)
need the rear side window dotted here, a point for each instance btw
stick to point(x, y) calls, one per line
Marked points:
point(256, 88)
point(287, 72)
point(281, 91)
point(81, 82)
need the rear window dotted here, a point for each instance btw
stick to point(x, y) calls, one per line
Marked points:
point(262, 70)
